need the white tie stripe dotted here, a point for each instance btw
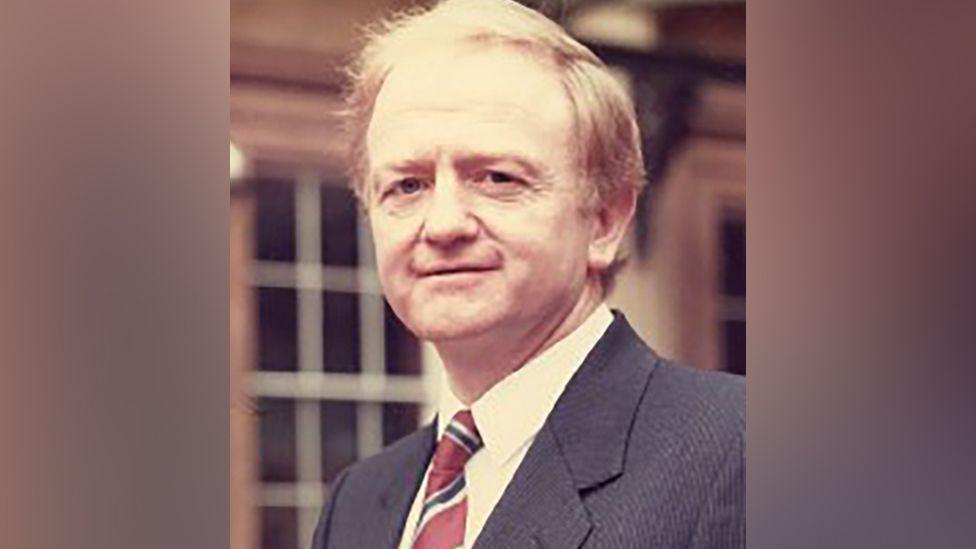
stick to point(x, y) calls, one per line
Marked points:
point(442, 497)
point(458, 433)
point(469, 445)
point(432, 508)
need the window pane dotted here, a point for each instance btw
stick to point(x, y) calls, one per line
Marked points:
point(277, 329)
point(402, 348)
point(279, 528)
point(399, 420)
point(276, 420)
point(338, 437)
point(734, 335)
point(340, 332)
point(733, 256)
point(275, 223)
point(339, 244)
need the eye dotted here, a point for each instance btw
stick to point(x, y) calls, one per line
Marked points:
point(499, 178)
point(409, 185)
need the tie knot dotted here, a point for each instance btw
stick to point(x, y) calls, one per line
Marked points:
point(459, 442)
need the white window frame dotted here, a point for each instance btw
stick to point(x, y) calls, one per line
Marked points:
point(310, 385)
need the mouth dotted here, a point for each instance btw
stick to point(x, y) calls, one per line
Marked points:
point(454, 270)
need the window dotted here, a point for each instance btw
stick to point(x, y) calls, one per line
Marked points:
point(338, 376)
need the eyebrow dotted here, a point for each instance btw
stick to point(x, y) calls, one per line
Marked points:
point(466, 162)
point(469, 162)
point(407, 165)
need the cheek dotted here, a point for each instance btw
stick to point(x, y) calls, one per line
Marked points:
point(392, 244)
point(537, 233)
point(381, 246)
point(389, 257)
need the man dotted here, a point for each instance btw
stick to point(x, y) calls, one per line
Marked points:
point(498, 162)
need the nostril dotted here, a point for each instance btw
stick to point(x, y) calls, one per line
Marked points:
point(449, 224)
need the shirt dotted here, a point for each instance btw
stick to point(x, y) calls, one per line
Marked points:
point(508, 416)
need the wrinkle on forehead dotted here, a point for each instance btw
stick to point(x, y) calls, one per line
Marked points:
point(494, 82)
point(418, 132)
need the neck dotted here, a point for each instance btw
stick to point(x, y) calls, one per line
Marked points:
point(474, 365)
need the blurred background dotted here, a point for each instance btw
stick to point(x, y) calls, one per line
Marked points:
point(322, 372)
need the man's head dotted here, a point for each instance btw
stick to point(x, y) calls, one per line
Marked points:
point(498, 161)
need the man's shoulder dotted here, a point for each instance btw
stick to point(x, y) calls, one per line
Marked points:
point(691, 412)
point(682, 475)
point(670, 396)
point(716, 396)
point(672, 389)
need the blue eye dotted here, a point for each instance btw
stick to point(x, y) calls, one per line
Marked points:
point(409, 185)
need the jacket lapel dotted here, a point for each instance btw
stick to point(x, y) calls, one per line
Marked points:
point(541, 506)
point(581, 446)
point(401, 484)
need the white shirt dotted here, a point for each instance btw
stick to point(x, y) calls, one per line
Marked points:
point(508, 417)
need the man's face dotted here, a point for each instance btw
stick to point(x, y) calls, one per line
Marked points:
point(474, 195)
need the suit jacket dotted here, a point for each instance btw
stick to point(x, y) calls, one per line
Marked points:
point(636, 453)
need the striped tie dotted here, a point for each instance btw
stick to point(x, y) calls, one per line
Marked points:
point(441, 524)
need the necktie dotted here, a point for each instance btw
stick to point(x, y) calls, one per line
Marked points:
point(441, 524)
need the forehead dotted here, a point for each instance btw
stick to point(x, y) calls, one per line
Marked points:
point(469, 96)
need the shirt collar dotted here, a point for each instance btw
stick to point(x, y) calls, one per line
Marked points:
point(510, 414)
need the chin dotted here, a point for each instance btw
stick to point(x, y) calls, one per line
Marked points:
point(447, 331)
point(434, 324)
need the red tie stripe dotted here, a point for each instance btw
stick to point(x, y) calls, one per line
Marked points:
point(441, 523)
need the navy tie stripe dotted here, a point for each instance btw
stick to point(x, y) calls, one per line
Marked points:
point(462, 436)
point(446, 499)
point(443, 496)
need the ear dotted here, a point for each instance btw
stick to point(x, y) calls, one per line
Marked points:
point(610, 225)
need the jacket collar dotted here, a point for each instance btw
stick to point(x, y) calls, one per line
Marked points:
point(593, 418)
point(581, 446)
point(401, 483)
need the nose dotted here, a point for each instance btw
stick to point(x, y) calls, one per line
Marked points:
point(448, 217)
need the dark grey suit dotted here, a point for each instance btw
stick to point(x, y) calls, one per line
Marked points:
point(637, 453)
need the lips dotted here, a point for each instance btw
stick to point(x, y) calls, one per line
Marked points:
point(446, 269)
